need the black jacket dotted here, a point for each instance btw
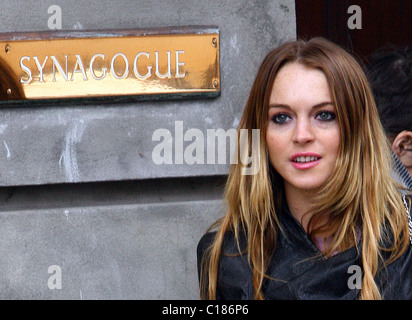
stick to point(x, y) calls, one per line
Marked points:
point(300, 272)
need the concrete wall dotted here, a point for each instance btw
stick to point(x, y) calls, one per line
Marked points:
point(79, 188)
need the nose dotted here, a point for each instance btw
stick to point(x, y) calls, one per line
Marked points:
point(303, 132)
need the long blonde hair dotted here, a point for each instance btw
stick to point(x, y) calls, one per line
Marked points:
point(360, 193)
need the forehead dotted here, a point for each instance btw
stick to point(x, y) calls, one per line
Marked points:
point(297, 83)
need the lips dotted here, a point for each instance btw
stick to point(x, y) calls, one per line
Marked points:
point(302, 159)
point(305, 160)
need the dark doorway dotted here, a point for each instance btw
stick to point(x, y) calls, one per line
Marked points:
point(383, 22)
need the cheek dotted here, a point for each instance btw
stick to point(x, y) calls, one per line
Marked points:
point(275, 143)
point(333, 142)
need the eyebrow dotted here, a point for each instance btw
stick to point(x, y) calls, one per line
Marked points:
point(316, 106)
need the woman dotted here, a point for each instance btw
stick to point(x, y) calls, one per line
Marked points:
point(322, 218)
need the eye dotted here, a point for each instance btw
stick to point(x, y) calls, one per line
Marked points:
point(280, 118)
point(325, 116)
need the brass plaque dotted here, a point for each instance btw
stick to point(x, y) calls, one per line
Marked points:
point(124, 63)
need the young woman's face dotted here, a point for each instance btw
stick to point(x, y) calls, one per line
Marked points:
point(303, 133)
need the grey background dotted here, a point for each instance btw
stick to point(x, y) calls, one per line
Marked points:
point(79, 188)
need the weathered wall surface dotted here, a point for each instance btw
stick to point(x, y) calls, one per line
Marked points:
point(79, 188)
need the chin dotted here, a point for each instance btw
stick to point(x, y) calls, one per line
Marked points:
point(307, 185)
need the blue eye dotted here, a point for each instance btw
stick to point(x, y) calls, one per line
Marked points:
point(326, 116)
point(280, 118)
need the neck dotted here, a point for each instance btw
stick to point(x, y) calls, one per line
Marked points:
point(299, 204)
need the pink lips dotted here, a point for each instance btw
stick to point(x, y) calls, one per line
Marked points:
point(306, 164)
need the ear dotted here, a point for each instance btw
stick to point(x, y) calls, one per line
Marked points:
point(402, 141)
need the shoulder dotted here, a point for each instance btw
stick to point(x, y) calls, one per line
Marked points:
point(396, 279)
point(204, 243)
point(234, 279)
point(229, 245)
point(233, 250)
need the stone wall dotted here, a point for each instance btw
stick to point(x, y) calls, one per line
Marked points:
point(79, 189)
